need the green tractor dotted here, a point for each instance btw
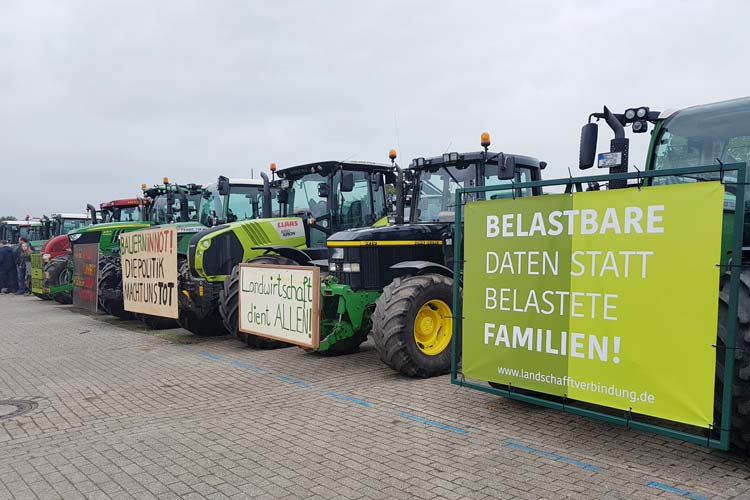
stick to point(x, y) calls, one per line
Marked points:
point(168, 204)
point(31, 229)
point(693, 137)
point(396, 281)
point(57, 272)
point(56, 228)
point(314, 201)
point(229, 209)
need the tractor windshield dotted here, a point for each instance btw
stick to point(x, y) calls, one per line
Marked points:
point(437, 189)
point(702, 136)
point(64, 226)
point(160, 210)
point(242, 203)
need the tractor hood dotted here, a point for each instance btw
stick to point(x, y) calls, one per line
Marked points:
point(392, 235)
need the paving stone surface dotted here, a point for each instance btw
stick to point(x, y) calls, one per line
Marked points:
point(118, 412)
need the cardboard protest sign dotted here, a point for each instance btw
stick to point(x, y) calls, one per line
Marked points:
point(281, 303)
point(149, 271)
point(607, 297)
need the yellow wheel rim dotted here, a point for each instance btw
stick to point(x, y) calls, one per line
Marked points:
point(433, 327)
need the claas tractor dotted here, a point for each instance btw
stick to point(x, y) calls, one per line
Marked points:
point(709, 134)
point(56, 254)
point(314, 201)
point(229, 210)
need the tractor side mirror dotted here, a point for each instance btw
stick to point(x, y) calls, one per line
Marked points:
point(506, 167)
point(377, 181)
point(587, 150)
point(323, 190)
point(223, 185)
point(347, 182)
point(283, 197)
point(170, 198)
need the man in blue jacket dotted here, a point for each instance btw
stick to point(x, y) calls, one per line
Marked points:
point(8, 275)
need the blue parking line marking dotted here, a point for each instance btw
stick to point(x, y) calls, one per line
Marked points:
point(249, 367)
point(293, 381)
point(347, 398)
point(434, 424)
point(675, 490)
point(209, 355)
point(553, 456)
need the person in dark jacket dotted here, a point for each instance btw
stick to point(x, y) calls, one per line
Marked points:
point(23, 265)
point(8, 275)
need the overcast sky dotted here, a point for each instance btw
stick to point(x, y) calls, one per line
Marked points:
point(98, 97)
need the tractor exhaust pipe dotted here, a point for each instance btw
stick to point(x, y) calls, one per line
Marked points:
point(92, 212)
point(266, 210)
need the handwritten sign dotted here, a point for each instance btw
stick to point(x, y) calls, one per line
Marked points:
point(85, 275)
point(280, 303)
point(149, 271)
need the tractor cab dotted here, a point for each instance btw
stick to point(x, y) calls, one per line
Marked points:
point(172, 203)
point(231, 200)
point(32, 230)
point(125, 210)
point(332, 195)
point(63, 223)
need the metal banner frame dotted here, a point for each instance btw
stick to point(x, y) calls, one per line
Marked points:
point(709, 436)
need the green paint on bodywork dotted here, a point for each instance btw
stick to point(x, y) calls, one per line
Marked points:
point(345, 312)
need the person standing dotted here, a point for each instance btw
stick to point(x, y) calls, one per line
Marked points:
point(23, 263)
point(8, 273)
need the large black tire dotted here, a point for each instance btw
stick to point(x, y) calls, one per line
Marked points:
point(201, 327)
point(229, 303)
point(740, 430)
point(59, 274)
point(393, 324)
point(110, 278)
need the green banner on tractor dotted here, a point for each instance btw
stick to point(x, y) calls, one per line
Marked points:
point(37, 274)
point(606, 297)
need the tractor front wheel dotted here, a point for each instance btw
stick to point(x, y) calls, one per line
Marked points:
point(229, 303)
point(413, 325)
point(60, 274)
point(110, 282)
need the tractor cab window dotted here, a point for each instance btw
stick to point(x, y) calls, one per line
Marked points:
point(71, 224)
point(359, 208)
point(245, 202)
point(130, 214)
point(304, 196)
point(437, 189)
point(211, 208)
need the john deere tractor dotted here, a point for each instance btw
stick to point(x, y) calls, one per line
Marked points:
point(315, 200)
point(56, 254)
point(709, 134)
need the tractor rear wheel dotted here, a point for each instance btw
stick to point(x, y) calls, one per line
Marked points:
point(229, 303)
point(201, 327)
point(110, 279)
point(59, 275)
point(413, 325)
point(740, 429)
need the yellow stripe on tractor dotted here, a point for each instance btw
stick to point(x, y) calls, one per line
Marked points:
point(384, 243)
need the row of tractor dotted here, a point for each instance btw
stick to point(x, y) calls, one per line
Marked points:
point(382, 237)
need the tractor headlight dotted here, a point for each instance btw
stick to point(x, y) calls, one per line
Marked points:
point(337, 253)
point(350, 267)
point(206, 243)
point(73, 237)
point(332, 266)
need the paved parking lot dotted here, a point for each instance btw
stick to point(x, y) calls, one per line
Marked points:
point(116, 412)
